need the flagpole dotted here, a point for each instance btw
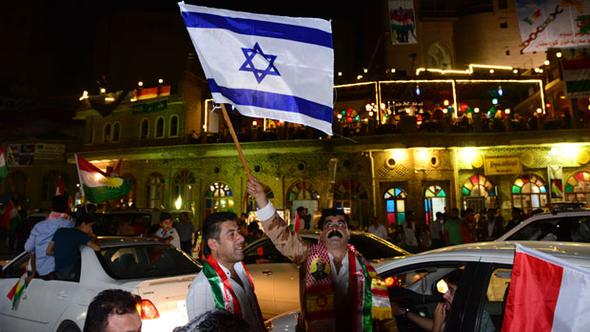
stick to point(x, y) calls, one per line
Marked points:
point(81, 183)
point(232, 132)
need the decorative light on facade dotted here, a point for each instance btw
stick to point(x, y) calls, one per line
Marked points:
point(140, 84)
point(515, 71)
point(359, 77)
point(417, 90)
point(539, 110)
point(103, 90)
point(160, 81)
point(365, 70)
point(500, 91)
point(178, 203)
point(84, 95)
point(547, 63)
point(492, 71)
point(507, 111)
point(339, 74)
point(476, 110)
point(495, 101)
point(558, 55)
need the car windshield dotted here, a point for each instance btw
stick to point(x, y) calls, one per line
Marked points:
point(372, 248)
point(569, 229)
point(145, 261)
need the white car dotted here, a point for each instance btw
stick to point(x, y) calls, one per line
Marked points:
point(567, 225)
point(416, 283)
point(160, 274)
point(276, 279)
point(478, 305)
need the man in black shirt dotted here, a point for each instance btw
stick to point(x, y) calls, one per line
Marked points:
point(65, 247)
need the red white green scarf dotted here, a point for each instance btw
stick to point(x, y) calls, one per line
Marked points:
point(223, 293)
point(369, 292)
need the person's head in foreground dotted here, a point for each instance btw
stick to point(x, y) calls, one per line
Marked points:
point(113, 310)
point(333, 225)
point(451, 280)
point(215, 321)
point(222, 238)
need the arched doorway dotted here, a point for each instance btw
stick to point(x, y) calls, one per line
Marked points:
point(301, 193)
point(183, 190)
point(577, 187)
point(478, 193)
point(155, 191)
point(529, 192)
point(352, 197)
point(435, 200)
point(219, 198)
point(395, 205)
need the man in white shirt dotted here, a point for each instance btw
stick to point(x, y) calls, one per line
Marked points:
point(166, 233)
point(224, 283)
point(378, 229)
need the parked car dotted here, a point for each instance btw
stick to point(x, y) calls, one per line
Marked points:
point(570, 225)
point(160, 274)
point(133, 222)
point(276, 279)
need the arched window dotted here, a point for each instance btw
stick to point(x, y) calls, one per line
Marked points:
point(218, 198)
point(577, 187)
point(155, 191)
point(160, 127)
point(144, 130)
point(129, 199)
point(116, 132)
point(352, 197)
point(478, 193)
point(184, 185)
point(435, 200)
point(174, 126)
point(395, 205)
point(107, 133)
point(529, 192)
point(301, 193)
point(49, 184)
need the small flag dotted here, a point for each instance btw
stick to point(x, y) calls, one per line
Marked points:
point(267, 66)
point(546, 294)
point(3, 165)
point(17, 290)
point(59, 190)
point(576, 74)
point(98, 186)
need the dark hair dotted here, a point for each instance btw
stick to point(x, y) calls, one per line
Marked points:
point(60, 204)
point(211, 227)
point(332, 213)
point(215, 321)
point(253, 227)
point(300, 209)
point(107, 302)
point(164, 216)
point(84, 219)
point(454, 277)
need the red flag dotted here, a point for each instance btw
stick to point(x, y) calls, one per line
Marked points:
point(546, 294)
point(60, 187)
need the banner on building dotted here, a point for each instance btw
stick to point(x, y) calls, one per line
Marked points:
point(553, 24)
point(556, 180)
point(576, 74)
point(502, 165)
point(402, 21)
point(20, 155)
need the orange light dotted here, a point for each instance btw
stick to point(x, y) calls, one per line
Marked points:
point(148, 310)
point(392, 282)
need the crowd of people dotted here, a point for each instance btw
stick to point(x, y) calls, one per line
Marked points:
point(451, 227)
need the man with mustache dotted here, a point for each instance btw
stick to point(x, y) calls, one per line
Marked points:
point(340, 290)
point(224, 282)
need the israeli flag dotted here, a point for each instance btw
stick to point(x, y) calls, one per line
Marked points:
point(267, 66)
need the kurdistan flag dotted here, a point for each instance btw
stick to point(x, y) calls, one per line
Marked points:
point(97, 186)
point(10, 217)
point(3, 165)
point(576, 74)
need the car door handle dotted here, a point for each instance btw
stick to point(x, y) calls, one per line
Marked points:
point(267, 273)
point(62, 295)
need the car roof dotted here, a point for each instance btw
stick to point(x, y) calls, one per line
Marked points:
point(543, 216)
point(497, 252)
point(122, 241)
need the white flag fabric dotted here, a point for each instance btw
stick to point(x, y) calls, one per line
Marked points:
point(546, 294)
point(267, 66)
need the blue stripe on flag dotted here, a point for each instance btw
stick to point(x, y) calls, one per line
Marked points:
point(276, 101)
point(258, 28)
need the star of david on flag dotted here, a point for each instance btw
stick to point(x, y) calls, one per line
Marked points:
point(267, 66)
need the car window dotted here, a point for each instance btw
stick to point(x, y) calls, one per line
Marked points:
point(122, 224)
point(495, 300)
point(372, 248)
point(567, 229)
point(17, 268)
point(420, 289)
point(141, 261)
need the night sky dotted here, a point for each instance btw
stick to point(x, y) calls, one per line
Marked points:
point(56, 49)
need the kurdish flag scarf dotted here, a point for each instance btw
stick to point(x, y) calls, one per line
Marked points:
point(370, 299)
point(223, 294)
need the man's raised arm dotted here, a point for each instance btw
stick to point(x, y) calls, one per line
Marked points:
point(284, 238)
